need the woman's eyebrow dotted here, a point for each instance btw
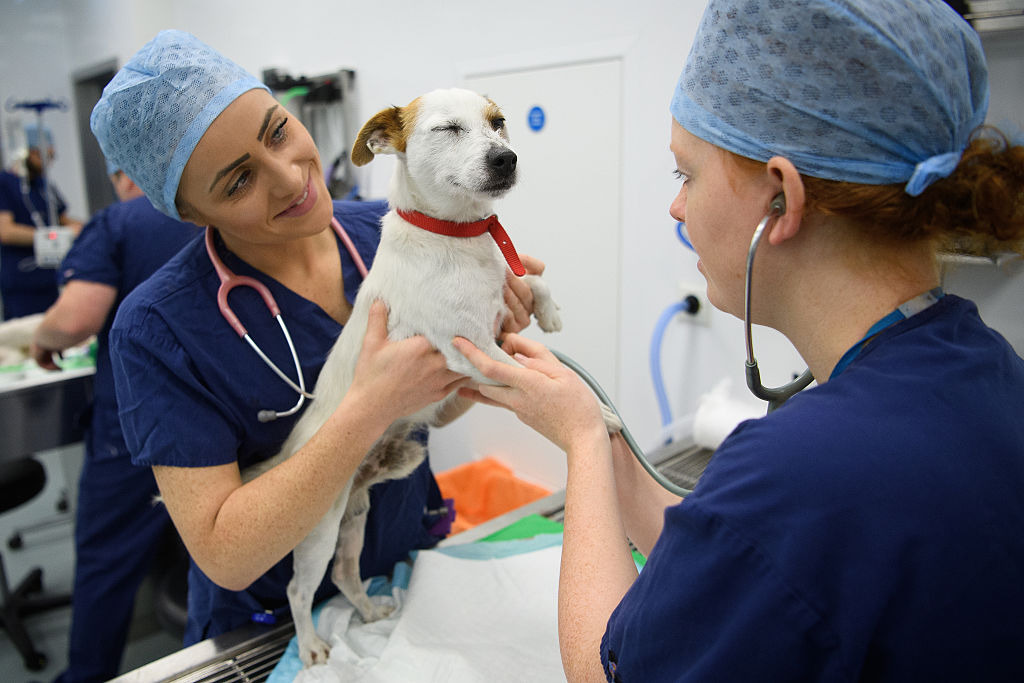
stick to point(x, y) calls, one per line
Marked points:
point(227, 169)
point(266, 122)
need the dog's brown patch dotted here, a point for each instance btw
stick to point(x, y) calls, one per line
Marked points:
point(390, 127)
point(410, 113)
point(492, 113)
point(384, 126)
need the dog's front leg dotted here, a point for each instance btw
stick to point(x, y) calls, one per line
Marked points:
point(545, 310)
point(309, 560)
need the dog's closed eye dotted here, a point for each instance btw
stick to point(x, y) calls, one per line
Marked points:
point(450, 127)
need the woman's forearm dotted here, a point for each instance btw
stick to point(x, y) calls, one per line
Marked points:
point(15, 234)
point(642, 500)
point(597, 566)
point(236, 532)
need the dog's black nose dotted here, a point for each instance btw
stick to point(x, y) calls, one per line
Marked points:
point(502, 161)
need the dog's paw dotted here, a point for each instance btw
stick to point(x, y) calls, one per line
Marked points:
point(611, 420)
point(546, 313)
point(376, 612)
point(314, 652)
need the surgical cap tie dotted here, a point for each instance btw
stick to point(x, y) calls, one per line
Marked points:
point(930, 170)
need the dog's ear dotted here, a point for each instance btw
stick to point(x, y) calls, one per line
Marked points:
point(382, 134)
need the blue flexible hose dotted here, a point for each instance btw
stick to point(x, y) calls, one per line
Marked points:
point(655, 356)
point(681, 234)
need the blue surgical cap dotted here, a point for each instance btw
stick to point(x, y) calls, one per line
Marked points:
point(154, 111)
point(865, 91)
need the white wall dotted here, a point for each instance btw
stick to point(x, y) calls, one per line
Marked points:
point(402, 48)
point(34, 65)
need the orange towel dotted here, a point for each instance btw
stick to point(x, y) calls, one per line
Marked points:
point(485, 489)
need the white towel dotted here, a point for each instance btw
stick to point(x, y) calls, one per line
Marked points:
point(460, 619)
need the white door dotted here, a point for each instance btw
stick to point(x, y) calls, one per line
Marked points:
point(565, 125)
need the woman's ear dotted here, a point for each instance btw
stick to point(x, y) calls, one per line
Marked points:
point(783, 172)
point(187, 213)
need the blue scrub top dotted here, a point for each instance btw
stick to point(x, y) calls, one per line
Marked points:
point(25, 288)
point(872, 528)
point(189, 390)
point(121, 246)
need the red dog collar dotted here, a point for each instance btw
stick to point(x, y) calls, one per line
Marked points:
point(474, 229)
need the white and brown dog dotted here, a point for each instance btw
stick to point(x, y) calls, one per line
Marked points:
point(440, 268)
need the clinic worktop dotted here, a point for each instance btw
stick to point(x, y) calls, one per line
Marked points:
point(43, 410)
point(250, 653)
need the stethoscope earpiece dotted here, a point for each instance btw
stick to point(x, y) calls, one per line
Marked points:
point(778, 204)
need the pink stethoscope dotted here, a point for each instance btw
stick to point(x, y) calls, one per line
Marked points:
point(228, 281)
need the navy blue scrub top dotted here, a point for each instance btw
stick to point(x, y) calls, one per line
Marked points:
point(189, 390)
point(870, 529)
point(25, 288)
point(121, 246)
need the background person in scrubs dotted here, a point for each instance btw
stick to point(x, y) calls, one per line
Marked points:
point(208, 143)
point(871, 528)
point(118, 529)
point(24, 206)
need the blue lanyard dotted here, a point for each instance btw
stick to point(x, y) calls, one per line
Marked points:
point(46, 193)
point(902, 312)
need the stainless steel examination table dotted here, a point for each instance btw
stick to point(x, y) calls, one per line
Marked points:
point(250, 653)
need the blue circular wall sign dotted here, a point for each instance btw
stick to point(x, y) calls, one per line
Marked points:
point(535, 118)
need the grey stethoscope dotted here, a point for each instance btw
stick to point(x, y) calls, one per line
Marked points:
point(779, 395)
point(228, 281)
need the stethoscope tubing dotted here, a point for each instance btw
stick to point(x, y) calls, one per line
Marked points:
point(627, 436)
point(778, 395)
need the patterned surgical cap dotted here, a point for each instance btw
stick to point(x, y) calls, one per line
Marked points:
point(866, 91)
point(154, 111)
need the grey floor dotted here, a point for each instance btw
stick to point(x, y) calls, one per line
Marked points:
point(53, 550)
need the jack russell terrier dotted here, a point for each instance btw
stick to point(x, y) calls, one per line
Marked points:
point(454, 160)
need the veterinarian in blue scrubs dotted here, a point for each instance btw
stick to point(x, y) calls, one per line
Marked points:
point(118, 530)
point(869, 529)
point(24, 207)
point(209, 144)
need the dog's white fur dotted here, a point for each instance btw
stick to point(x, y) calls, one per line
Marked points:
point(446, 143)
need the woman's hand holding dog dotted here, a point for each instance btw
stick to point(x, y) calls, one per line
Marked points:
point(544, 394)
point(396, 378)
